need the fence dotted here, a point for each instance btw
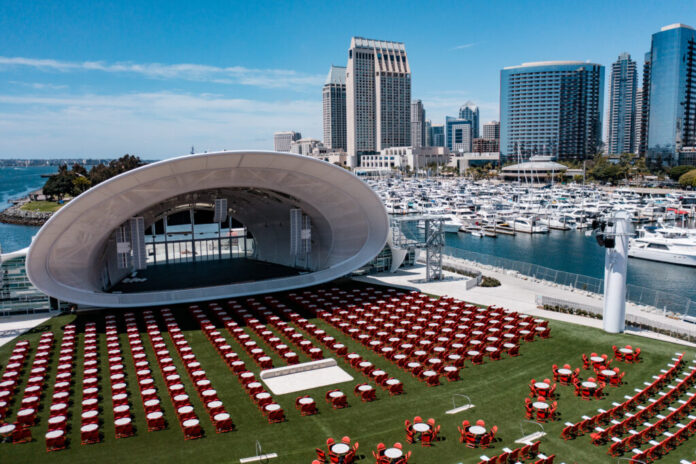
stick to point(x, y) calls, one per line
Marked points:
point(667, 302)
point(675, 329)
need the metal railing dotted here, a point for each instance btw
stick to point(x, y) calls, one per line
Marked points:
point(678, 305)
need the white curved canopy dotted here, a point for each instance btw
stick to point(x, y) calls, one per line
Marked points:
point(349, 222)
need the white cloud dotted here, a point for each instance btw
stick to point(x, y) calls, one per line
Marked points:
point(153, 125)
point(39, 85)
point(464, 46)
point(266, 78)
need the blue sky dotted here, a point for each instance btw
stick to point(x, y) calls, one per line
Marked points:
point(154, 78)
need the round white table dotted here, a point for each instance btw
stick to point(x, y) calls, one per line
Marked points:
point(626, 350)
point(340, 448)
point(336, 394)
point(89, 414)
point(477, 430)
point(393, 382)
point(272, 407)
point(393, 453)
point(597, 359)
point(185, 409)
point(151, 403)
point(540, 405)
point(209, 392)
point(429, 373)
point(473, 353)
point(89, 428)
point(608, 373)
point(7, 429)
point(365, 388)
point(122, 408)
point(420, 427)
point(589, 384)
point(541, 386)
point(122, 421)
point(305, 400)
point(260, 396)
point(56, 420)
point(154, 415)
point(190, 423)
point(222, 416)
point(54, 434)
point(564, 371)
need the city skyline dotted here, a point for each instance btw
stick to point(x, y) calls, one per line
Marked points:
point(86, 83)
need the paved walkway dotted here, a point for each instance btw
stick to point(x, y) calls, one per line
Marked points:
point(14, 326)
point(514, 293)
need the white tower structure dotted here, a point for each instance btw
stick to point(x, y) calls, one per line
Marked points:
point(615, 268)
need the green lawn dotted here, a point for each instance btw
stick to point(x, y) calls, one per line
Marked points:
point(496, 388)
point(41, 206)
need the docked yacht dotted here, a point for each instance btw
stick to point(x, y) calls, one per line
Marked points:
point(529, 225)
point(673, 245)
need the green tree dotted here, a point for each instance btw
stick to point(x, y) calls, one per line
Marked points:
point(688, 179)
point(676, 172)
point(80, 184)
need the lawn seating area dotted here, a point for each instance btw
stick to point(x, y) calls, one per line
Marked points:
point(204, 347)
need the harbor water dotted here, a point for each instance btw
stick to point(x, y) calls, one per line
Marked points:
point(569, 251)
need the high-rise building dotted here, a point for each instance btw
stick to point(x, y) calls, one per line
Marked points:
point(639, 122)
point(551, 108)
point(458, 134)
point(491, 130)
point(418, 138)
point(378, 96)
point(282, 140)
point(482, 145)
point(672, 101)
point(645, 107)
point(437, 135)
point(470, 112)
point(622, 106)
point(428, 133)
point(334, 99)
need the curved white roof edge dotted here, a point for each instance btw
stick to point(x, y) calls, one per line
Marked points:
point(349, 223)
point(13, 254)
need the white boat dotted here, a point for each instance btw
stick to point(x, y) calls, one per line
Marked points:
point(477, 233)
point(528, 225)
point(672, 246)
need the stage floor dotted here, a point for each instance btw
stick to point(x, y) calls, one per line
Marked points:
point(202, 274)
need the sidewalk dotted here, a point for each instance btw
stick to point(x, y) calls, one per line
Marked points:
point(14, 326)
point(514, 293)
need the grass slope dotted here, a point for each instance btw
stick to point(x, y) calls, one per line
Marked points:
point(497, 389)
point(41, 206)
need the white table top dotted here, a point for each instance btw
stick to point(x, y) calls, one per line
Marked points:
point(122, 408)
point(340, 448)
point(185, 409)
point(378, 372)
point(564, 371)
point(181, 397)
point(222, 416)
point(122, 421)
point(540, 405)
point(54, 434)
point(597, 359)
point(56, 419)
point(336, 394)
point(589, 384)
point(190, 423)
point(421, 427)
point(429, 373)
point(477, 430)
point(491, 348)
point(365, 388)
point(59, 406)
point(209, 393)
point(89, 414)
point(393, 453)
point(272, 407)
point(541, 385)
point(393, 382)
point(154, 415)
point(89, 428)
point(151, 402)
point(473, 353)
point(8, 428)
point(626, 350)
point(608, 372)
point(305, 400)
point(260, 396)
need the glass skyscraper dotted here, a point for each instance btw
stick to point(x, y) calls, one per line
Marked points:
point(470, 112)
point(551, 108)
point(672, 101)
point(622, 106)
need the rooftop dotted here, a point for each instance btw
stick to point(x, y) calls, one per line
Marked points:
point(532, 64)
point(337, 75)
point(675, 26)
